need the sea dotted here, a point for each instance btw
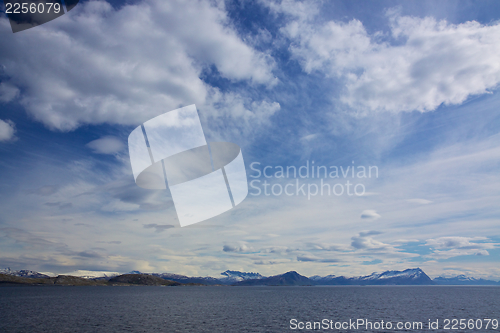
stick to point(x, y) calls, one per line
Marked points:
point(217, 309)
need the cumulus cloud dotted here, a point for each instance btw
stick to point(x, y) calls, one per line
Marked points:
point(236, 248)
point(7, 130)
point(123, 66)
point(466, 243)
point(363, 242)
point(106, 145)
point(448, 247)
point(370, 214)
point(420, 65)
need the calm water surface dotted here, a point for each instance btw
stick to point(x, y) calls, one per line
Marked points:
point(238, 309)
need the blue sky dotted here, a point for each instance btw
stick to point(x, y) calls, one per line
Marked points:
point(407, 86)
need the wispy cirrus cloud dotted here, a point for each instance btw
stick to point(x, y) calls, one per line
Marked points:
point(419, 201)
point(309, 258)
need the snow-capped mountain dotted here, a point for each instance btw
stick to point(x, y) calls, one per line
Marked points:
point(23, 273)
point(407, 277)
point(291, 278)
point(413, 276)
point(93, 274)
point(463, 280)
point(187, 279)
point(318, 278)
point(236, 276)
point(135, 272)
point(229, 277)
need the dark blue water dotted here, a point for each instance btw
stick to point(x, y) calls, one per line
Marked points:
point(242, 309)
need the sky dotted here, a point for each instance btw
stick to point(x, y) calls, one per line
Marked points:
point(406, 89)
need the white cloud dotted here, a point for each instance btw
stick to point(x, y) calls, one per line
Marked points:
point(370, 214)
point(445, 177)
point(106, 145)
point(239, 113)
point(431, 62)
point(309, 137)
point(307, 258)
point(101, 65)
point(7, 92)
point(419, 201)
point(241, 247)
point(158, 227)
point(364, 242)
point(448, 247)
point(303, 10)
point(458, 243)
point(7, 130)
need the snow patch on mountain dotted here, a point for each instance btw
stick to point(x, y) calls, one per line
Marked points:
point(236, 276)
point(170, 276)
point(23, 273)
point(463, 280)
point(413, 273)
point(317, 277)
point(92, 274)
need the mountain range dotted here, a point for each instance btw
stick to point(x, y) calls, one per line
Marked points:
point(462, 280)
point(414, 276)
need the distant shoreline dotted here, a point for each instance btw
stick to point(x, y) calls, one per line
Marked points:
point(284, 280)
point(410, 276)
